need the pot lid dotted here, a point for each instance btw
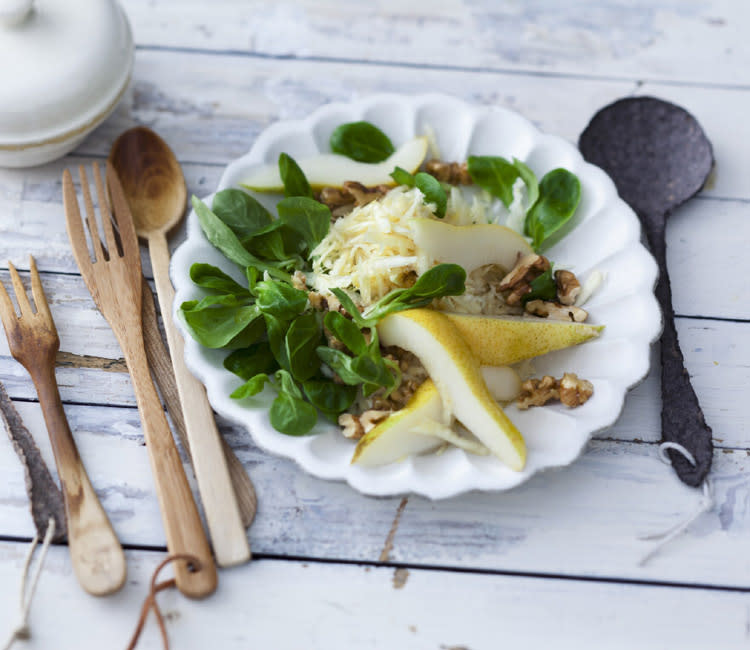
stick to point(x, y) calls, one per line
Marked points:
point(65, 63)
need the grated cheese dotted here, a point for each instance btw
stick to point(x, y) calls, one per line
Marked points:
point(371, 251)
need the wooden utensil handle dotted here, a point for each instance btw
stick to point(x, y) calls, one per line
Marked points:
point(210, 465)
point(96, 554)
point(682, 419)
point(182, 524)
point(163, 374)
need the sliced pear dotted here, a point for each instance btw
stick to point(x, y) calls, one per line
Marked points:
point(417, 428)
point(504, 383)
point(332, 170)
point(502, 340)
point(395, 437)
point(451, 364)
point(469, 246)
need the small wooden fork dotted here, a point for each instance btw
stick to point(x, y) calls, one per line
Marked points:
point(114, 280)
point(95, 552)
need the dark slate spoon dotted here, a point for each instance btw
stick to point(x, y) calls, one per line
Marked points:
point(659, 157)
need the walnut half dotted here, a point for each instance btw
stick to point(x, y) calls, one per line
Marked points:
point(568, 287)
point(518, 281)
point(570, 390)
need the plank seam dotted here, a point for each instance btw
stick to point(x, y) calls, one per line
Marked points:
point(442, 67)
point(538, 575)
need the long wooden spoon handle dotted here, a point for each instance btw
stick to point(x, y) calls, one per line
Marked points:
point(96, 554)
point(209, 462)
point(163, 373)
point(182, 524)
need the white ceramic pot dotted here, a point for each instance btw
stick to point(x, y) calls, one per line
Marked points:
point(65, 65)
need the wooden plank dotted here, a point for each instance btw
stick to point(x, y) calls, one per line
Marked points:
point(583, 520)
point(211, 107)
point(722, 114)
point(92, 370)
point(637, 40)
point(343, 606)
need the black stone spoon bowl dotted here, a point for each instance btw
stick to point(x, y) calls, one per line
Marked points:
point(659, 157)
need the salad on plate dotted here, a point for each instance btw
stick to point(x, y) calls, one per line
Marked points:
point(399, 295)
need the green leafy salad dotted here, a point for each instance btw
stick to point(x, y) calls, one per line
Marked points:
point(322, 361)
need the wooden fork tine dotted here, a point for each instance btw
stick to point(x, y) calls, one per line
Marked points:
point(7, 310)
point(96, 241)
point(105, 213)
point(40, 300)
point(21, 298)
point(121, 210)
point(73, 221)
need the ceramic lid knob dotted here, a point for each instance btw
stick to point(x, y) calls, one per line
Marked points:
point(14, 12)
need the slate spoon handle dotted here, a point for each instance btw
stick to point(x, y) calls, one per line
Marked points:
point(682, 419)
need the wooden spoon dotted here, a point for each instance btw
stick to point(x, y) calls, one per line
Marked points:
point(659, 157)
point(155, 190)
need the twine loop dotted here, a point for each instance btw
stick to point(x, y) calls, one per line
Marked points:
point(706, 504)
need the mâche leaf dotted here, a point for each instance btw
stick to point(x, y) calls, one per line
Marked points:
point(291, 415)
point(221, 235)
point(494, 174)
point(280, 299)
point(222, 321)
point(433, 192)
point(251, 387)
point(329, 397)
point(529, 179)
point(308, 218)
point(214, 279)
point(402, 177)
point(241, 212)
point(294, 179)
point(559, 195)
point(430, 187)
point(252, 360)
point(345, 331)
point(543, 287)
point(361, 141)
point(302, 339)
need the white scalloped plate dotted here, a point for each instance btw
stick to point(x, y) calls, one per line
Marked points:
point(606, 237)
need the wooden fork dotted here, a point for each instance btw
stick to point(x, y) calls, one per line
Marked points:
point(97, 556)
point(114, 280)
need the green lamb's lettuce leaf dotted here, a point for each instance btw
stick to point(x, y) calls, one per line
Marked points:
point(329, 397)
point(215, 280)
point(302, 338)
point(294, 179)
point(361, 141)
point(250, 361)
point(222, 321)
point(306, 217)
point(241, 212)
point(559, 195)
point(430, 187)
point(251, 387)
point(543, 287)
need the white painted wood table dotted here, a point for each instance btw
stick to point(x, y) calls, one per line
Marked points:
point(551, 564)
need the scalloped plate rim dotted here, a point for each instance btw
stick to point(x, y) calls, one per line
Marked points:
point(365, 480)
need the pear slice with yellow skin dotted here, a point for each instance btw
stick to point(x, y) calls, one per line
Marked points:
point(451, 364)
point(333, 170)
point(502, 340)
point(469, 246)
point(404, 433)
point(395, 438)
